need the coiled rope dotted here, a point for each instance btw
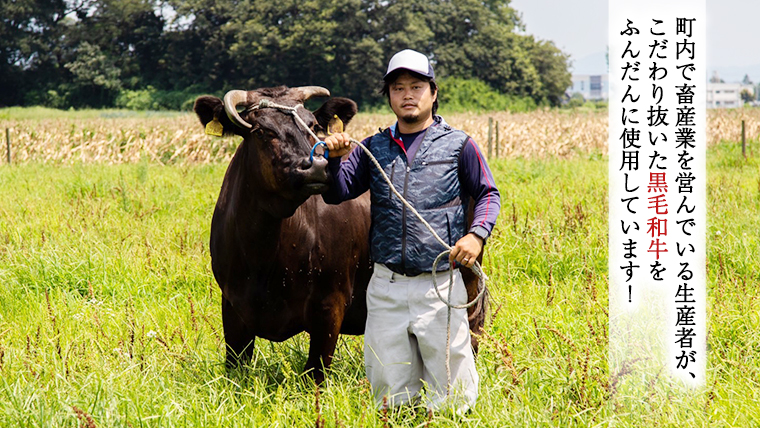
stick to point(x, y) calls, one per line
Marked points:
point(476, 268)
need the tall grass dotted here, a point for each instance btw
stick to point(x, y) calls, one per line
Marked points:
point(118, 136)
point(109, 314)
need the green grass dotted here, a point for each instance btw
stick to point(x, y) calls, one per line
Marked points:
point(109, 306)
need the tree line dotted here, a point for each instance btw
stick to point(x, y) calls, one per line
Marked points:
point(101, 53)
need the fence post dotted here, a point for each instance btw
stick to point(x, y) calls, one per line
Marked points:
point(8, 144)
point(744, 142)
point(496, 152)
point(490, 136)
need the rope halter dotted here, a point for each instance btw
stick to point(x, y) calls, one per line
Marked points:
point(293, 112)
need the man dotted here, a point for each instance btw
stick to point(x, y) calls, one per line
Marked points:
point(438, 170)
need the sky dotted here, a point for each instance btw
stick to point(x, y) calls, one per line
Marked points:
point(579, 28)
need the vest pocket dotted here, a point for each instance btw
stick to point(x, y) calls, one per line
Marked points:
point(439, 162)
point(422, 247)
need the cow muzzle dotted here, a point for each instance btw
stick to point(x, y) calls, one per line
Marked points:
point(316, 177)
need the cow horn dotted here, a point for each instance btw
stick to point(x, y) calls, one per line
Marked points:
point(231, 100)
point(307, 92)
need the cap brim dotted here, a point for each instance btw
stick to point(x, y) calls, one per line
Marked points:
point(429, 74)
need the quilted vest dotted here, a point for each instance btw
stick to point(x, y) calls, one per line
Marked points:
point(431, 184)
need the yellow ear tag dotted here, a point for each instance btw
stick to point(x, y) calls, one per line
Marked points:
point(214, 128)
point(335, 125)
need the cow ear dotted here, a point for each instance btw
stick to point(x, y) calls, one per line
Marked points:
point(207, 108)
point(343, 107)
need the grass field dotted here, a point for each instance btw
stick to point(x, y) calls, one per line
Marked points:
point(109, 314)
point(170, 138)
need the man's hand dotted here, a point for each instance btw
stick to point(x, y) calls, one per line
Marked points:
point(466, 250)
point(338, 144)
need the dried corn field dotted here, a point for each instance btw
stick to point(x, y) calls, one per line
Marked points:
point(180, 139)
point(116, 140)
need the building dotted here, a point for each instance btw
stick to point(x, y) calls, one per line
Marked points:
point(591, 87)
point(719, 94)
point(727, 95)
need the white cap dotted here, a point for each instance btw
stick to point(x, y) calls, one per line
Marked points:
point(412, 61)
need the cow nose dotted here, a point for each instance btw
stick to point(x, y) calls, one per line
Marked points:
point(318, 162)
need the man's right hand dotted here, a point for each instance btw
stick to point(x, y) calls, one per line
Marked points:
point(338, 144)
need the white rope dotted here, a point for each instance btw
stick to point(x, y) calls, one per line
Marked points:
point(482, 278)
point(475, 268)
point(292, 110)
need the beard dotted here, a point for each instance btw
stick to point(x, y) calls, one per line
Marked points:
point(410, 119)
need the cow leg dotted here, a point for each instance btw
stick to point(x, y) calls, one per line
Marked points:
point(325, 320)
point(237, 335)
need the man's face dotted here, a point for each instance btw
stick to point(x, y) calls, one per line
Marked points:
point(411, 99)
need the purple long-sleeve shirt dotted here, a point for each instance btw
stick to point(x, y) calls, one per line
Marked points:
point(351, 178)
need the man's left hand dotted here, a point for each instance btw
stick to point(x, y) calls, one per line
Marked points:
point(466, 250)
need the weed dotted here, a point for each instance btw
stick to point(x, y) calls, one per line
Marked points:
point(85, 420)
point(118, 307)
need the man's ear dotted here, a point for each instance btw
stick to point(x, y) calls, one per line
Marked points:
point(207, 108)
point(343, 107)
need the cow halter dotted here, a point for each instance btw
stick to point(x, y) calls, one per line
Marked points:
point(476, 268)
point(292, 111)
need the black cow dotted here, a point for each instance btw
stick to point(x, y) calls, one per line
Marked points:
point(285, 261)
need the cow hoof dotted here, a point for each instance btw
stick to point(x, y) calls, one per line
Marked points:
point(318, 376)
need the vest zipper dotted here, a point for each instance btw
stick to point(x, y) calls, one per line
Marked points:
point(403, 221)
point(438, 162)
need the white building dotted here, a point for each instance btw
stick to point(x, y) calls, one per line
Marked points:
point(592, 87)
point(726, 95)
point(719, 95)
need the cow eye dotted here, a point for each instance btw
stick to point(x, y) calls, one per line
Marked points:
point(265, 134)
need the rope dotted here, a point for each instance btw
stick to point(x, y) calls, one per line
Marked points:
point(482, 278)
point(475, 268)
point(292, 110)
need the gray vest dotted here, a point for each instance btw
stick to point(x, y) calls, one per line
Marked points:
point(431, 184)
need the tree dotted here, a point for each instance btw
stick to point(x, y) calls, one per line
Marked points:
point(344, 45)
point(576, 100)
point(552, 67)
point(96, 79)
point(197, 46)
point(747, 95)
point(129, 33)
point(84, 52)
point(715, 78)
point(329, 43)
point(32, 34)
point(475, 39)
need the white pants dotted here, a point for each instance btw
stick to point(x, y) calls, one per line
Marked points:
point(405, 341)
